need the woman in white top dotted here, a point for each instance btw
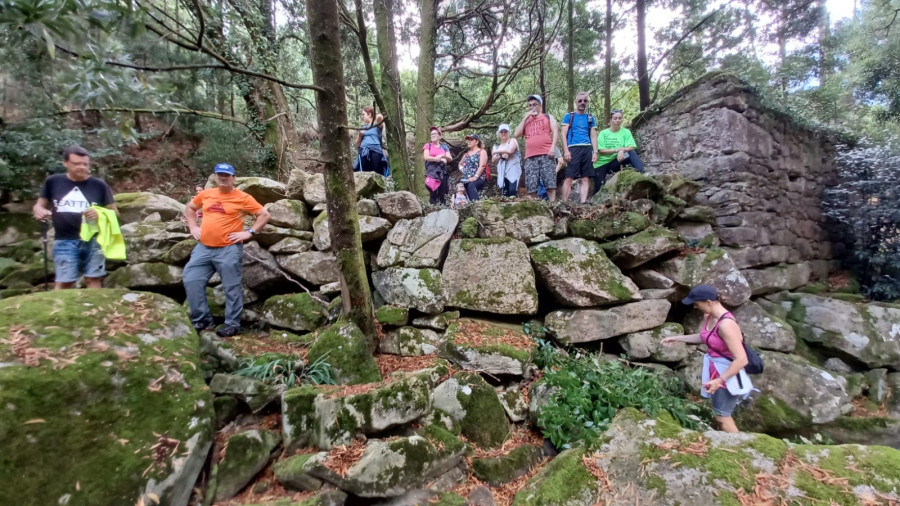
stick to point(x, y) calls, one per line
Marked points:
point(506, 158)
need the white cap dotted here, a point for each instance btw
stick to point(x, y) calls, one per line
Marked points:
point(502, 127)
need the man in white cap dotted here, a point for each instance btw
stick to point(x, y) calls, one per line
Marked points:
point(541, 133)
point(221, 248)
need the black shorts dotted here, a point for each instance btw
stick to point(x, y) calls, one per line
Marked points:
point(580, 165)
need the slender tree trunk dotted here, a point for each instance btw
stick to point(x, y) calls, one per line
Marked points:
point(393, 102)
point(826, 63)
point(331, 108)
point(570, 70)
point(541, 74)
point(642, 75)
point(363, 33)
point(425, 86)
point(607, 80)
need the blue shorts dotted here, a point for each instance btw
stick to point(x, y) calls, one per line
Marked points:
point(73, 258)
point(723, 402)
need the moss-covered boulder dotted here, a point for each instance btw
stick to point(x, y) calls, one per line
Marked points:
point(180, 253)
point(436, 322)
point(256, 394)
point(227, 409)
point(313, 417)
point(392, 315)
point(296, 472)
point(290, 245)
point(263, 189)
point(150, 241)
point(419, 242)
point(25, 276)
point(348, 351)
point(761, 329)
point(368, 184)
point(421, 289)
point(315, 267)
point(631, 185)
point(793, 393)
point(392, 468)
point(578, 274)
point(656, 461)
point(586, 325)
point(148, 276)
point(499, 470)
point(400, 205)
point(867, 332)
point(246, 454)
point(647, 344)
point(565, 481)
point(776, 278)
point(714, 267)
point(297, 311)
point(490, 275)
point(489, 348)
point(90, 381)
point(8, 265)
point(371, 228)
point(526, 221)
point(469, 228)
point(410, 342)
point(698, 214)
point(134, 207)
point(515, 404)
point(289, 214)
point(608, 223)
point(470, 400)
point(635, 250)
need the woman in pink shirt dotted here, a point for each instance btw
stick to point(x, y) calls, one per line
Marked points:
point(724, 378)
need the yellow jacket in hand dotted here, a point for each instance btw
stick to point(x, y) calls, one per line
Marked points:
point(109, 236)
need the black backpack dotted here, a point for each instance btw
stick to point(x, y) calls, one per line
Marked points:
point(591, 124)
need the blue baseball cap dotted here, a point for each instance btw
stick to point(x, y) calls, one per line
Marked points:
point(701, 292)
point(224, 168)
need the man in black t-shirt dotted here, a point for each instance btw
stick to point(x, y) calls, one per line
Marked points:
point(66, 198)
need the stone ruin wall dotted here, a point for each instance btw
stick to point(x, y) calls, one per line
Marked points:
point(760, 171)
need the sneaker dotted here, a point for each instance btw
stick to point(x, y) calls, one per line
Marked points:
point(228, 331)
point(207, 325)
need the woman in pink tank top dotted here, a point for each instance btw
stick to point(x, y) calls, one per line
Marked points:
point(724, 379)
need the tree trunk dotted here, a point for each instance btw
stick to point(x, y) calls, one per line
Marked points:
point(425, 86)
point(607, 80)
point(331, 108)
point(642, 75)
point(570, 70)
point(541, 74)
point(826, 61)
point(398, 154)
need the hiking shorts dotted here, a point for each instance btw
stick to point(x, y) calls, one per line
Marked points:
point(537, 169)
point(723, 402)
point(73, 258)
point(580, 165)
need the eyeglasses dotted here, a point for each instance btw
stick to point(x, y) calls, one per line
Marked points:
point(581, 101)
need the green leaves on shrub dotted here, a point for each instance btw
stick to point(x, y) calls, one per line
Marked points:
point(590, 391)
point(281, 371)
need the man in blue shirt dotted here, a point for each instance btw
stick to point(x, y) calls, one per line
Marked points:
point(579, 140)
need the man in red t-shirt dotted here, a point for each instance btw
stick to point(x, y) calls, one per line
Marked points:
point(541, 133)
point(221, 248)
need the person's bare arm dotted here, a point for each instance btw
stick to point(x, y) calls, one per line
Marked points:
point(190, 217)
point(520, 129)
point(594, 145)
point(262, 217)
point(565, 133)
point(41, 209)
point(687, 339)
point(555, 129)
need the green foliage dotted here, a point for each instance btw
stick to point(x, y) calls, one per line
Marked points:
point(866, 205)
point(280, 371)
point(229, 143)
point(591, 391)
point(31, 150)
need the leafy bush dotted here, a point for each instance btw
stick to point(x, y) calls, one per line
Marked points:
point(230, 143)
point(866, 206)
point(591, 391)
point(281, 371)
point(31, 150)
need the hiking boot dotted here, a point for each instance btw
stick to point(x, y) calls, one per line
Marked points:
point(228, 331)
point(207, 325)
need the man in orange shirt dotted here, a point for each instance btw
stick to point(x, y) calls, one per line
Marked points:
point(221, 248)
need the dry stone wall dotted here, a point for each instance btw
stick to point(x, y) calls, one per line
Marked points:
point(760, 171)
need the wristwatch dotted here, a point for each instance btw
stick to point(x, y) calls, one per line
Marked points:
point(250, 230)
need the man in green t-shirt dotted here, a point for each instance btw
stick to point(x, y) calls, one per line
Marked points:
point(616, 147)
